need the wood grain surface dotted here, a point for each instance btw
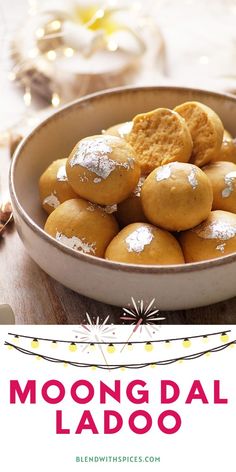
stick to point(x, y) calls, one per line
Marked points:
point(38, 299)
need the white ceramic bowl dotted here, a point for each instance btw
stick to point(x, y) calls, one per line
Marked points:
point(174, 287)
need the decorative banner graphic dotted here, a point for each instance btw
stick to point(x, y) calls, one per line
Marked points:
point(127, 402)
point(111, 347)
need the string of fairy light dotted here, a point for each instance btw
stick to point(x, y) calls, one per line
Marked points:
point(111, 347)
point(50, 42)
point(126, 365)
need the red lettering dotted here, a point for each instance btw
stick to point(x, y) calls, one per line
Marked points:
point(59, 428)
point(107, 424)
point(30, 389)
point(175, 391)
point(174, 428)
point(86, 422)
point(196, 393)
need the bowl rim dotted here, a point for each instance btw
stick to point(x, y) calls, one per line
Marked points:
point(94, 260)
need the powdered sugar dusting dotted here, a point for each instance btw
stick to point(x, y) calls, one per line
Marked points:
point(192, 178)
point(51, 200)
point(215, 230)
point(76, 243)
point(163, 172)
point(61, 174)
point(229, 182)
point(140, 238)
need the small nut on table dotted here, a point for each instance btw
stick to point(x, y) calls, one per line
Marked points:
point(5, 212)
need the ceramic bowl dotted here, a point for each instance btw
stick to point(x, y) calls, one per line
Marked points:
point(173, 287)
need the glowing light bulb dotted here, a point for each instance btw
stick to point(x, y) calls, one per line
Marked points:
point(224, 337)
point(180, 361)
point(153, 366)
point(51, 55)
point(16, 339)
point(35, 343)
point(27, 97)
point(205, 339)
point(10, 347)
point(40, 32)
point(130, 347)
point(92, 347)
point(93, 367)
point(72, 347)
point(65, 364)
point(111, 348)
point(207, 354)
point(148, 347)
point(167, 344)
point(69, 52)
point(232, 345)
point(122, 368)
point(55, 25)
point(38, 358)
point(54, 344)
point(55, 100)
point(186, 343)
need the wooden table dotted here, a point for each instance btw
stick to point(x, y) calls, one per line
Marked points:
point(38, 299)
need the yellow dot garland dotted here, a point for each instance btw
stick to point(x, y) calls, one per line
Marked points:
point(121, 366)
point(111, 347)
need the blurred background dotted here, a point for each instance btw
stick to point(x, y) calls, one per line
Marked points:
point(54, 51)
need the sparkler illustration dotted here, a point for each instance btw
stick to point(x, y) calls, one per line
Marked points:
point(142, 317)
point(96, 333)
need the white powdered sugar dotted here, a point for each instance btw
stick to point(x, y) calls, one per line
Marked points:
point(215, 230)
point(163, 172)
point(140, 238)
point(192, 178)
point(51, 200)
point(61, 174)
point(76, 243)
point(229, 182)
